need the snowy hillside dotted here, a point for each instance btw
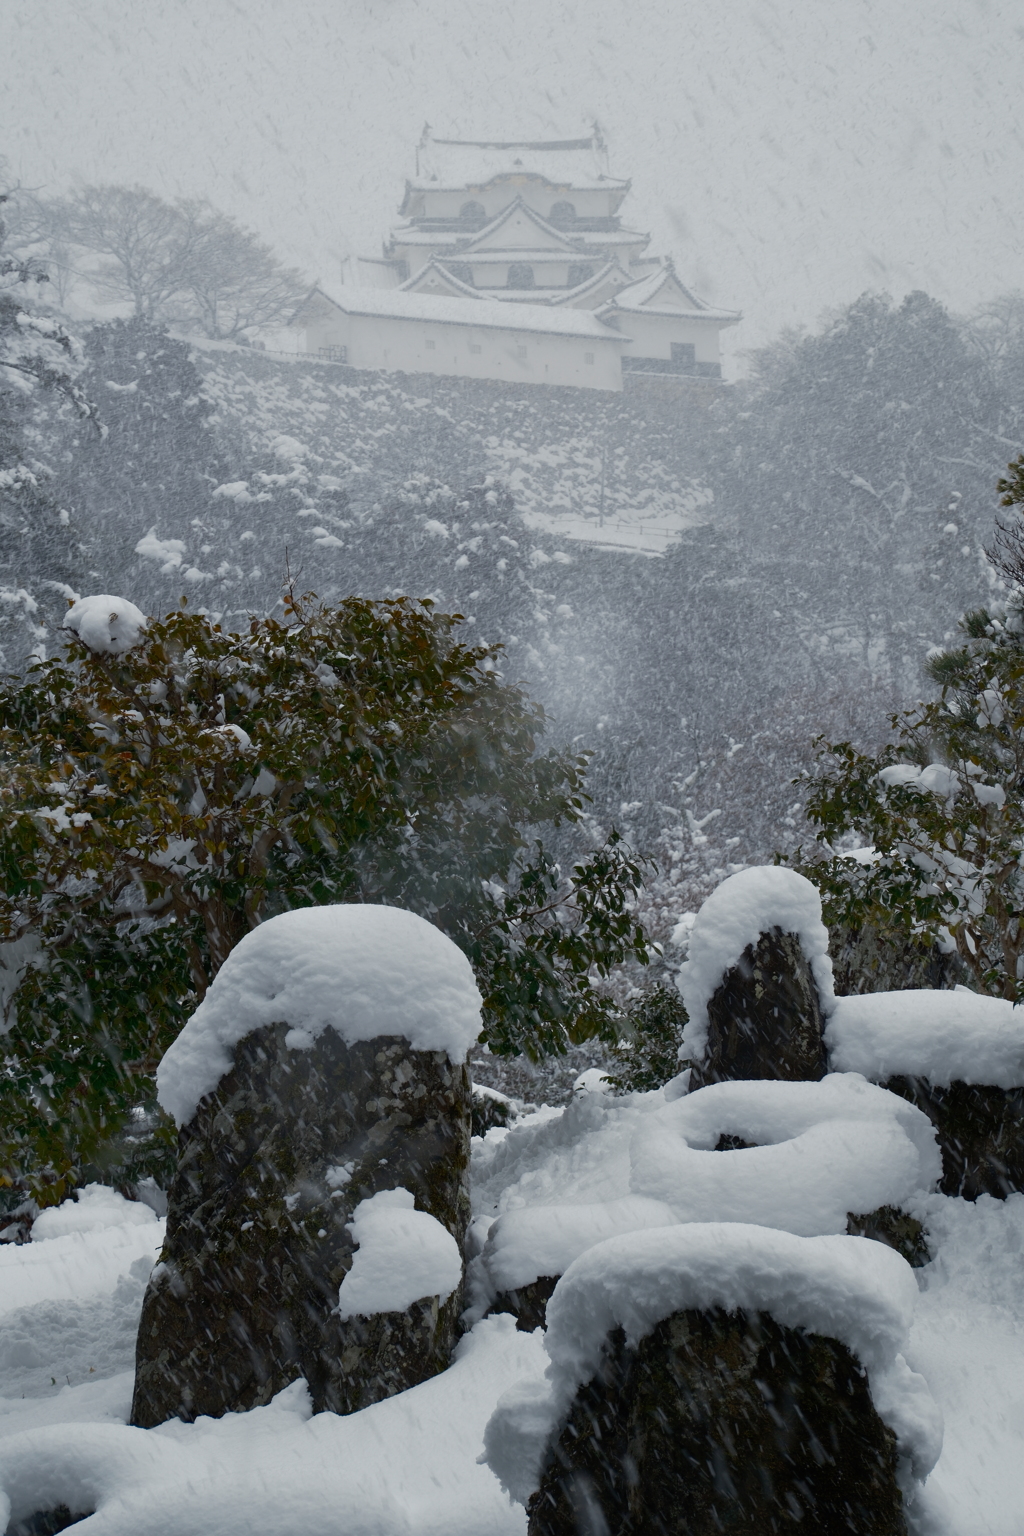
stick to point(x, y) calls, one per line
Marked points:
point(616, 471)
point(693, 587)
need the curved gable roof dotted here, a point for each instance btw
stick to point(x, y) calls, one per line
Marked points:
point(661, 293)
point(557, 238)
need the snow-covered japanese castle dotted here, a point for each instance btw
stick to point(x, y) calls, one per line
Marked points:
point(511, 262)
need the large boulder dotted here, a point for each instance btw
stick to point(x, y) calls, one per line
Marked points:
point(722, 1422)
point(765, 1019)
point(317, 1216)
point(718, 1377)
point(958, 1056)
point(876, 959)
point(980, 1131)
point(758, 981)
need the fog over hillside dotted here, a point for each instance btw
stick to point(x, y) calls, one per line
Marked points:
point(695, 583)
point(759, 564)
point(789, 156)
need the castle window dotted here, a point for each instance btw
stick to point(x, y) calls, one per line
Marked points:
point(563, 213)
point(580, 273)
point(520, 275)
point(588, 357)
point(521, 354)
point(431, 346)
point(474, 346)
point(473, 213)
point(684, 352)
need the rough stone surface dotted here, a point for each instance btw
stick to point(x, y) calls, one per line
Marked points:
point(722, 1423)
point(765, 1019)
point(529, 1304)
point(270, 1171)
point(980, 1132)
point(896, 1229)
point(871, 959)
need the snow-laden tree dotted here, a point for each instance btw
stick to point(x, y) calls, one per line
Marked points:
point(167, 786)
point(856, 469)
point(939, 813)
point(40, 360)
point(151, 479)
point(233, 281)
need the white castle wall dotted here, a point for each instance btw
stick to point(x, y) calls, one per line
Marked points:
point(469, 351)
point(653, 335)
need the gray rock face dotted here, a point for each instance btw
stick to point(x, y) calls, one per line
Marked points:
point(529, 1304)
point(980, 1131)
point(765, 1019)
point(722, 1423)
point(871, 959)
point(896, 1229)
point(270, 1171)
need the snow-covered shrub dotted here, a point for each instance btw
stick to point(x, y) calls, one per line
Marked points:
point(943, 809)
point(164, 799)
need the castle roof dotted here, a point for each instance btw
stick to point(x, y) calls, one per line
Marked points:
point(441, 274)
point(565, 163)
point(550, 237)
point(661, 293)
point(399, 304)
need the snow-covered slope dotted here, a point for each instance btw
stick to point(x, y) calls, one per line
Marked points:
point(614, 471)
point(410, 1464)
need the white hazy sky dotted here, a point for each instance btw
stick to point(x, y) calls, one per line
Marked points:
point(790, 155)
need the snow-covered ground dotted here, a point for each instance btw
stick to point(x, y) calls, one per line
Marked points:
point(69, 1305)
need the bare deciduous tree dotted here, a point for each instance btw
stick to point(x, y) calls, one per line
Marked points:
point(185, 261)
point(143, 243)
point(235, 282)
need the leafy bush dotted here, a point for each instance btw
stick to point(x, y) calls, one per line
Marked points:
point(162, 801)
point(647, 1055)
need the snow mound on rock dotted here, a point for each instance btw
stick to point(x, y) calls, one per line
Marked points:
point(107, 625)
point(403, 1256)
point(941, 1036)
point(543, 1240)
point(814, 1153)
point(847, 1288)
point(96, 1209)
point(361, 970)
point(737, 912)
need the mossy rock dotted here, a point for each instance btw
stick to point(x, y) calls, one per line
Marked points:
point(873, 959)
point(529, 1304)
point(722, 1422)
point(897, 1229)
point(270, 1172)
point(490, 1109)
point(980, 1131)
point(765, 1019)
